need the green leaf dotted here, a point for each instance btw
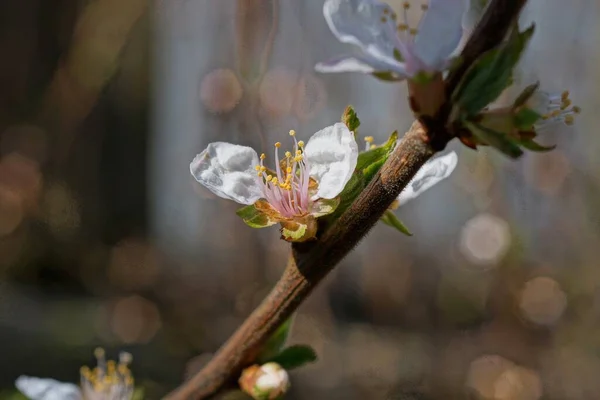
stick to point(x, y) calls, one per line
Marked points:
point(138, 394)
point(525, 118)
point(255, 218)
point(368, 164)
point(390, 219)
point(323, 207)
point(526, 95)
point(350, 118)
point(531, 145)
point(495, 139)
point(489, 75)
point(273, 346)
point(295, 356)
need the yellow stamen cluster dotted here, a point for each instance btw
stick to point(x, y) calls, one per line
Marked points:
point(369, 139)
point(404, 26)
point(565, 109)
point(288, 170)
point(109, 380)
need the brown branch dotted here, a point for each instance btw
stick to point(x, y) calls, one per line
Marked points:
point(310, 263)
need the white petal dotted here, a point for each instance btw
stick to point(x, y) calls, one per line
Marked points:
point(331, 155)
point(47, 389)
point(439, 31)
point(228, 170)
point(363, 64)
point(433, 172)
point(359, 22)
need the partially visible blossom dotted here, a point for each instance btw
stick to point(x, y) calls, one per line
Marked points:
point(388, 43)
point(266, 382)
point(299, 189)
point(554, 108)
point(109, 380)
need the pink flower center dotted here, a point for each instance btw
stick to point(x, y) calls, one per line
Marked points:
point(287, 189)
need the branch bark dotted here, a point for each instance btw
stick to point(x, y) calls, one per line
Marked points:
point(311, 262)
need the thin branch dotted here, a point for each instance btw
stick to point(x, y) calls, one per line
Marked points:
point(310, 263)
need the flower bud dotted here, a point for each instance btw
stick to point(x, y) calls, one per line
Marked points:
point(266, 382)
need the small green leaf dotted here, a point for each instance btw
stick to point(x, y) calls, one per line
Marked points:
point(489, 75)
point(390, 219)
point(323, 207)
point(255, 218)
point(295, 356)
point(138, 394)
point(531, 145)
point(495, 139)
point(525, 118)
point(273, 346)
point(368, 164)
point(350, 118)
point(526, 95)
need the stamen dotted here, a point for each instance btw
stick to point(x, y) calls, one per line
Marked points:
point(278, 144)
point(301, 143)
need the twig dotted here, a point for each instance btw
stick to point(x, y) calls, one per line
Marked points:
point(310, 263)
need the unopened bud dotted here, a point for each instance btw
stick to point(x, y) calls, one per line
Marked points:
point(266, 382)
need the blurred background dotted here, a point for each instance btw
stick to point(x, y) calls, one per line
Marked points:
point(106, 240)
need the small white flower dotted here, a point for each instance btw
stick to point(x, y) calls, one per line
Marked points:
point(318, 170)
point(392, 46)
point(267, 382)
point(108, 381)
point(554, 108)
point(433, 172)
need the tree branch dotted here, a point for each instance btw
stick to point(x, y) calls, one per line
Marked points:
point(311, 262)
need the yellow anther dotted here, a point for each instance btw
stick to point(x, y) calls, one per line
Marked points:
point(269, 177)
point(555, 113)
point(386, 10)
point(292, 132)
point(274, 180)
point(373, 146)
point(424, 7)
point(402, 27)
point(564, 95)
point(298, 158)
point(288, 154)
point(278, 144)
point(383, 19)
point(99, 352)
point(412, 31)
point(263, 168)
point(576, 109)
point(289, 170)
point(569, 119)
point(301, 143)
point(258, 173)
point(298, 153)
point(566, 103)
point(406, 5)
point(263, 156)
point(369, 139)
point(257, 168)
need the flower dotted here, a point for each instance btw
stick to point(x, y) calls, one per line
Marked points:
point(108, 381)
point(267, 382)
point(304, 185)
point(553, 107)
point(391, 47)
